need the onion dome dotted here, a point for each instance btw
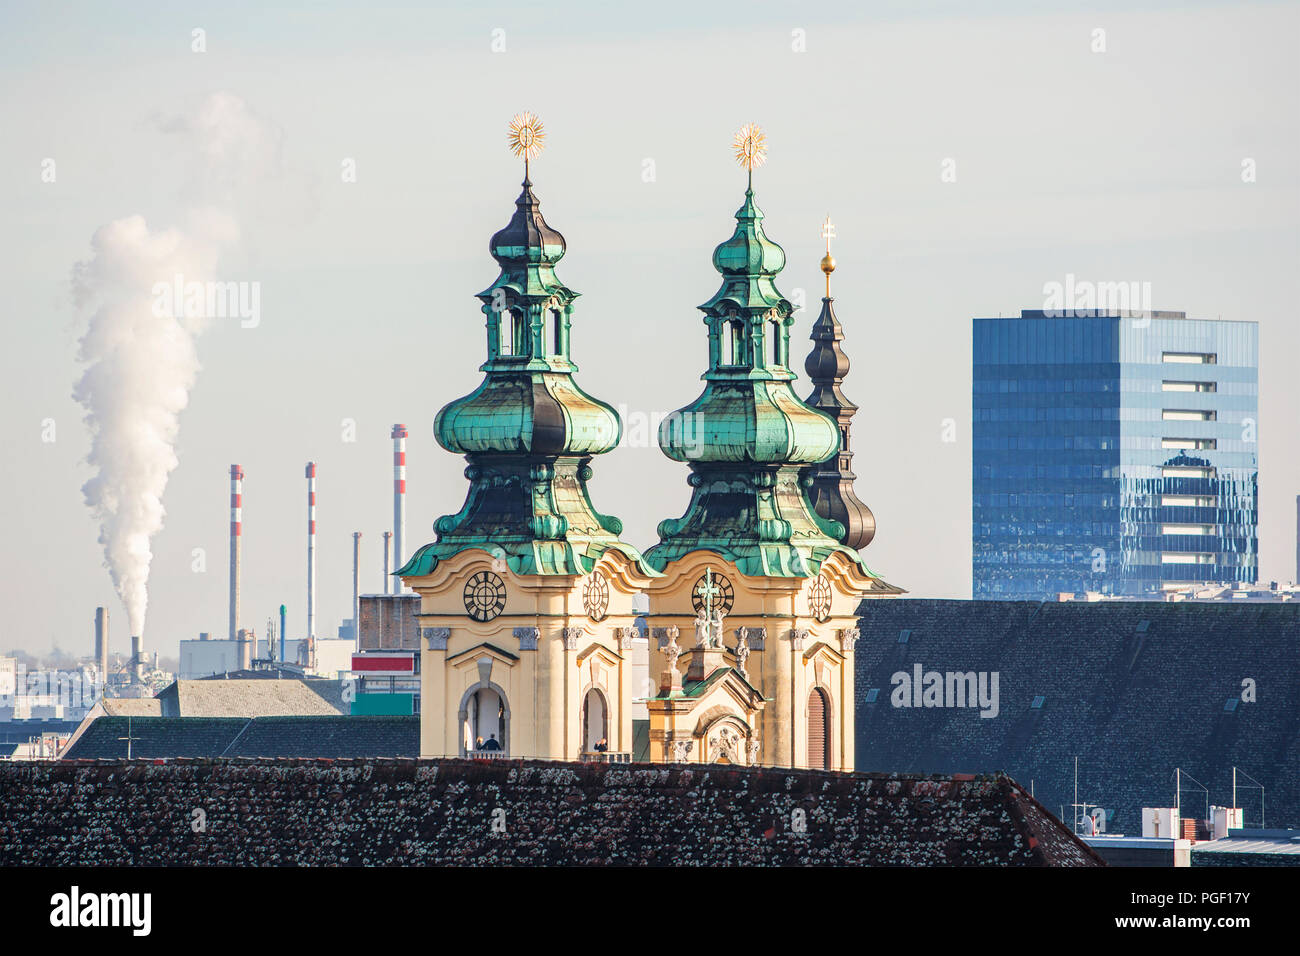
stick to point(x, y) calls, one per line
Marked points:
point(748, 438)
point(528, 432)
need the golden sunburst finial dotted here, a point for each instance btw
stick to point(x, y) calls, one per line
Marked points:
point(527, 136)
point(750, 145)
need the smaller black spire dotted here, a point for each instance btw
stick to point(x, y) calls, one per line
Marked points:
point(832, 491)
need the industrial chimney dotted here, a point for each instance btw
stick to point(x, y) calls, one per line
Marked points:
point(399, 501)
point(236, 519)
point(137, 660)
point(311, 551)
point(356, 586)
point(388, 546)
point(101, 642)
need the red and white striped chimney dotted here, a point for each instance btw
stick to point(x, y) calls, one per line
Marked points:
point(399, 501)
point(311, 551)
point(236, 532)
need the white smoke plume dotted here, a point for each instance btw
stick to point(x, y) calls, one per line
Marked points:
point(140, 357)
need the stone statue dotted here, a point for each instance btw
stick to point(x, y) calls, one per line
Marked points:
point(742, 652)
point(702, 628)
point(672, 650)
point(715, 629)
point(681, 750)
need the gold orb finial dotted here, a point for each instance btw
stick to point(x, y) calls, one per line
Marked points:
point(828, 261)
point(750, 145)
point(527, 136)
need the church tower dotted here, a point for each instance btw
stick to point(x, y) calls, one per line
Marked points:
point(526, 616)
point(753, 619)
point(832, 491)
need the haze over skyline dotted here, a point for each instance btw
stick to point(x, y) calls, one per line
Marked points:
point(1123, 165)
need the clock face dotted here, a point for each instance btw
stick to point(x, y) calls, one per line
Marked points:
point(819, 600)
point(595, 597)
point(485, 596)
point(717, 593)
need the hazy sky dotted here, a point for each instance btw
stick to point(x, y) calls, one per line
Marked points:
point(1123, 165)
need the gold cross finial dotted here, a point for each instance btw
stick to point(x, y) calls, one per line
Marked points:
point(828, 262)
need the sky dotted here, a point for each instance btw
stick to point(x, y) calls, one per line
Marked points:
point(1115, 164)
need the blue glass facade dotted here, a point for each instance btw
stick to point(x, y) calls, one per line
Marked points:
point(1113, 454)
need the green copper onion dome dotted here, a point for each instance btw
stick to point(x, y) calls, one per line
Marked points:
point(529, 402)
point(748, 438)
point(528, 432)
point(748, 411)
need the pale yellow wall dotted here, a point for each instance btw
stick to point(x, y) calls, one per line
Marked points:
point(783, 671)
point(543, 687)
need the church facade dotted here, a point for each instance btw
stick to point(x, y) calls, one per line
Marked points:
point(526, 596)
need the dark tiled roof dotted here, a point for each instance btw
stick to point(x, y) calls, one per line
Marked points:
point(328, 737)
point(1133, 701)
point(376, 812)
point(156, 737)
point(245, 737)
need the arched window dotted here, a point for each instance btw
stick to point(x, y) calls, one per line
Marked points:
point(485, 723)
point(733, 342)
point(819, 730)
point(557, 333)
point(595, 721)
point(774, 332)
point(507, 332)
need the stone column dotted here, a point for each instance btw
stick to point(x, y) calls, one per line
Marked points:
point(778, 732)
point(626, 692)
point(799, 693)
point(543, 737)
point(848, 700)
point(438, 728)
point(570, 636)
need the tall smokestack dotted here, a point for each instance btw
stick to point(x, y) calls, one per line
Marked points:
point(311, 550)
point(388, 547)
point(236, 532)
point(101, 642)
point(356, 585)
point(137, 659)
point(399, 501)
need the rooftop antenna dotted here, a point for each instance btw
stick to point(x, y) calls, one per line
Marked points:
point(1256, 783)
point(1178, 776)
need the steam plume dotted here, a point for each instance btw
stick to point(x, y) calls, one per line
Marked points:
point(139, 355)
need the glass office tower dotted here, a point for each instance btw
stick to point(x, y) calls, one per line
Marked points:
point(1113, 454)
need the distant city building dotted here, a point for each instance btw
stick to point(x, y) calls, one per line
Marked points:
point(1113, 453)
